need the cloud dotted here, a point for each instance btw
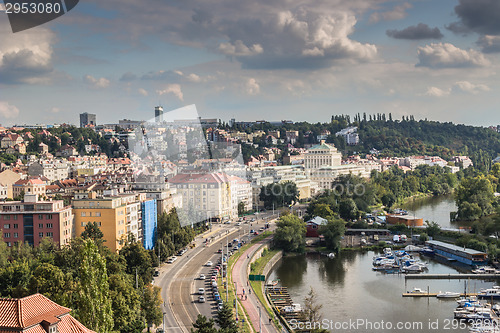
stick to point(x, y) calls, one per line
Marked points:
point(143, 91)
point(96, 83)
point(397, 13)
point(489, 44)
point(8, 111)
point(420, 31)
point(174, 89)
point(128, 77)
point(26, 57)
point(55, 110)
point(477, 15)
point(252, 87)
point(437, 92)
point(446, 55)
point(174, 76)
point(239, 49)
point(468, 87)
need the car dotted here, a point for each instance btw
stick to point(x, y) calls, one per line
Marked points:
point(160, 330)
point(174, 258)
point(256, 233)
point(202, 276)
point(201, 299)
point(238, 224)
point(201, 291)
point(214, 284)
point(209, 263)
point(219, 306)
point(156, 273)
point(252, 231)
point(170, 261)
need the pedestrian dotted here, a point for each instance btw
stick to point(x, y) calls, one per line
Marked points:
point(270, 320)
point(243, 291)
point(249, 290)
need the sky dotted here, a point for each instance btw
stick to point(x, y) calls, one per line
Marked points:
point(302, 60)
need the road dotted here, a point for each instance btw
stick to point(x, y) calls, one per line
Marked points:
point(179, 281)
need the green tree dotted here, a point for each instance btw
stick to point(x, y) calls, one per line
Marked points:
point(241, 208)
point(151, 305)
point(125, 302)
point(290, 233)
point(225, 319)
point(4, 252)
point(474, 197)
point(50, 281)
point(94, 303)
point(92, 231)
point(432, 228)
point(138, 261)
point(312, 310)
point(203, 325)
point(333, 232)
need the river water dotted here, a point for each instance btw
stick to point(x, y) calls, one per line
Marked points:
point(351, 292)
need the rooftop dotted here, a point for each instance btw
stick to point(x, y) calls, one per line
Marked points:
point(454, 247)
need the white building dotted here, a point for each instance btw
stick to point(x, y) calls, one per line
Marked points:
point(322, 155)
point(350, 135)
point(57, 169)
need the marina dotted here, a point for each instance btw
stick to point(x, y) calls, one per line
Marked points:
point(451, 276)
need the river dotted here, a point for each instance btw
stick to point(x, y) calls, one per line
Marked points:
point(435, 209)
point(350, 291)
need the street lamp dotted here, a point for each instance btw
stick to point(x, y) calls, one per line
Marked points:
point(164, 313)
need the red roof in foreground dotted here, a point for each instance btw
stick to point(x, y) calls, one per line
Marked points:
point(28, 313)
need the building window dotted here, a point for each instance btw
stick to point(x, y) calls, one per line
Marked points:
point(6, 226)
point(6, 217)
point(16, 235)
point(83, 214)
point(16, 225)
point(84, 224)
point(40, 216)
point(40, 225)
point(49, 225)
point(98, 214)
point(40, 234)
point(6, 235)
point(50, 234)
point(49, 217)
point(14, 217)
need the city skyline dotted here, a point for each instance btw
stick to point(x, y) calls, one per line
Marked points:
point(253, 61)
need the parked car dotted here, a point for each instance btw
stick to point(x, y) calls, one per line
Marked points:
point(202, 276)
point(201, 299)
point(201, 291)
point(156, 273)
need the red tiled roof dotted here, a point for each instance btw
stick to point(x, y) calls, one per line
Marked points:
point(28, 311)
point(71, 325)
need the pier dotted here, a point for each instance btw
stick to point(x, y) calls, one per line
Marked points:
point(451, 276)
point(435, 295)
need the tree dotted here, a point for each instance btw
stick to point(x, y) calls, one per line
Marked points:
point(225, 319)
point(312, 310)
point(92, 231)
point(138, 261)
point(125, 302)
point(290, 233)
point(94, 303)
point(203, 325)
point(50, 281)
point(4, 252)
point(241, 208)
point(151, 305)
point(432, 229)
point(333, 232)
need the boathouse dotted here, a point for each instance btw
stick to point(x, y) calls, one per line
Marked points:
point(312, 226)
point(460, 254)
point(405, 219)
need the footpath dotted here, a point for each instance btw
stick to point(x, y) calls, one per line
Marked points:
point(261, 322)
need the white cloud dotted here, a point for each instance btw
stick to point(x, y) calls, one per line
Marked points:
point(437, 92)
point(26, 57)
point(8, 111)
point(472, 88)
point(174, 89)
point(252, 87)
point(239, 49)
point(142, 91)
point(397, 13)
point(446, 55)
point(96, 83)
point(55, 110)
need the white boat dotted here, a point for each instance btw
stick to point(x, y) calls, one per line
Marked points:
point(467, 300)
point(484, 328)
point(418, 291)
point(331, 255)
point(448, 294)
point(485, 270)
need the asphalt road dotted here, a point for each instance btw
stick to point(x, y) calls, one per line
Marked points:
point(179, 281)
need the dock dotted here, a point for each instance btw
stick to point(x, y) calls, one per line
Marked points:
point(434, 295)
point(451, 276)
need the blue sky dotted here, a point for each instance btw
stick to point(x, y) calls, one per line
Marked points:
point(298, 60)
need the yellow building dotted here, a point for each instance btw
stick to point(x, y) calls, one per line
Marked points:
point(110, 213)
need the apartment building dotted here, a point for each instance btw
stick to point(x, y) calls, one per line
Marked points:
point(31, 220)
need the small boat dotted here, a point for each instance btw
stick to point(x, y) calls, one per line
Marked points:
point(448, 294)
point(331, 255)
point(485, 270)
point(418, 291)
point(467, 300)
point(490, 292)
point(484, 328)
point(427, 251)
